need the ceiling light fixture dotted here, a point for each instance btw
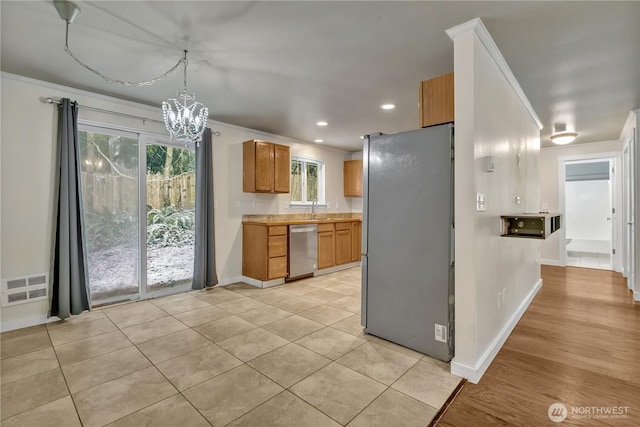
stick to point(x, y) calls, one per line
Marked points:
point(561, 136)
point(189, 119)
point(388, 106)
point(318, 140)
point(187, 123)
point(322, 123)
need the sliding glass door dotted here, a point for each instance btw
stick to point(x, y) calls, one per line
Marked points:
point(138, 199)
point(110, 187)
point(170, 214)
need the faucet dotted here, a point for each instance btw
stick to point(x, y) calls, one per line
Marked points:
point(314, 205)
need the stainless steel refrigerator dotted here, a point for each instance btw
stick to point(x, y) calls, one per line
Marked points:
point(407, 263)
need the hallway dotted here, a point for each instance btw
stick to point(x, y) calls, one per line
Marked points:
point(577, 344)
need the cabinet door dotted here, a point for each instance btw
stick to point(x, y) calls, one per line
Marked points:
point(264, 166)
point(277, 268)
point(436, 101)
point(282, 168)
point(326, 248)
point(356, 241)
point(343, 246)
point(352, 178)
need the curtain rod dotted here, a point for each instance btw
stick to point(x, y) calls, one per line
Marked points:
point(51, 100)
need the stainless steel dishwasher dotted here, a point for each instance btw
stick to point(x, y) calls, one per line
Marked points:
point(303, 250)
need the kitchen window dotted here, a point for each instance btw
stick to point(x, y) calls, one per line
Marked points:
point(307, 181)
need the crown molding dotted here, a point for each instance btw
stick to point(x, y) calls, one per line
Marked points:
point(476, 26)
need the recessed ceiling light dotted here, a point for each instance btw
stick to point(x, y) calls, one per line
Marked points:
point(318, 140)
point(322, 123)
point(388, 106)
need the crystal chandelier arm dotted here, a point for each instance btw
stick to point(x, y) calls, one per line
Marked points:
point(111, 80)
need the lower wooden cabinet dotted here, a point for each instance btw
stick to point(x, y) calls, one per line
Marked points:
point(356, 241)
point(343, 243)
point(326, 246)
point(264, 251)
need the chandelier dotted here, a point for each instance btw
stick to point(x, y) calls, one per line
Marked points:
point(185, 118)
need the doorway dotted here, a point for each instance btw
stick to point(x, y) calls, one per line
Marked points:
point(138, 197)
point(589, 209)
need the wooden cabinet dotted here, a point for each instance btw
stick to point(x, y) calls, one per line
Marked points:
point(265, 167)
point(264, 251)
point(326, 246)
point(282, 169)
point(356, 241)
point(343, 243)
point(436, 101)
point(352, 177)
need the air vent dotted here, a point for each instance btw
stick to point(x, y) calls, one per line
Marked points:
point(19, 290)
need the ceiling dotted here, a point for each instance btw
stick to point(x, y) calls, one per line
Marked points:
point(280, 67)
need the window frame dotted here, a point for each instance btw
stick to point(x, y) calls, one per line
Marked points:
point(321, 182)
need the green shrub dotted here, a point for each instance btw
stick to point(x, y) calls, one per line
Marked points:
point(170, 227)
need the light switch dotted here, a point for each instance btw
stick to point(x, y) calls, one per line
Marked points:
point(480, 203)
point(517, 200)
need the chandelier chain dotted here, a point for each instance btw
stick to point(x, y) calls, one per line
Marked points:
point(123, 82)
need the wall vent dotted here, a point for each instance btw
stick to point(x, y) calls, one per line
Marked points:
point(19, 290)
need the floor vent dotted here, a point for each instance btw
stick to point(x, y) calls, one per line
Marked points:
point(18, 290)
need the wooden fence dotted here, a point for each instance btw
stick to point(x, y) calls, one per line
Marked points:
point(120, 193)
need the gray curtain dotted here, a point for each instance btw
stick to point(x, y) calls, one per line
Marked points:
point(69, 275)
point(204, 266)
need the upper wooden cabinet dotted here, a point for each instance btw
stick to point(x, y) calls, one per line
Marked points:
point(436, 100)
point(352, 178)
point(265, 167)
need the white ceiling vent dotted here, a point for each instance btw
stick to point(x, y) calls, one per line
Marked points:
point(18, 290)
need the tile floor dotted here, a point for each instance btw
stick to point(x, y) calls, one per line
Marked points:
point(290, 355)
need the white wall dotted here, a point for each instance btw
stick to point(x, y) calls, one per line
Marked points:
point(28, 140)
point(551, 162)
point(491, 119)
point(629, 137)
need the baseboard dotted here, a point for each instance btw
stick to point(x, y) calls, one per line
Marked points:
point(229, 280)
point(10, 325)
point(259, 283)
point(474, 373)
point(555, 262)
point(336, 268)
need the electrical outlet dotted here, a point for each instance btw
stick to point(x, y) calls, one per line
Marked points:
point(253, 204)
point(336, 205)
point(545, 206)
point(440, 333)
point(504, 295)
point(285, 204)
point(237, 203)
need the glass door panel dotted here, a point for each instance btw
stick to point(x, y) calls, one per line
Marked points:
point(170, 216)
point(110, 189)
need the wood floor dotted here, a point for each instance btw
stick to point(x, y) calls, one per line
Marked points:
point(578, 344)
